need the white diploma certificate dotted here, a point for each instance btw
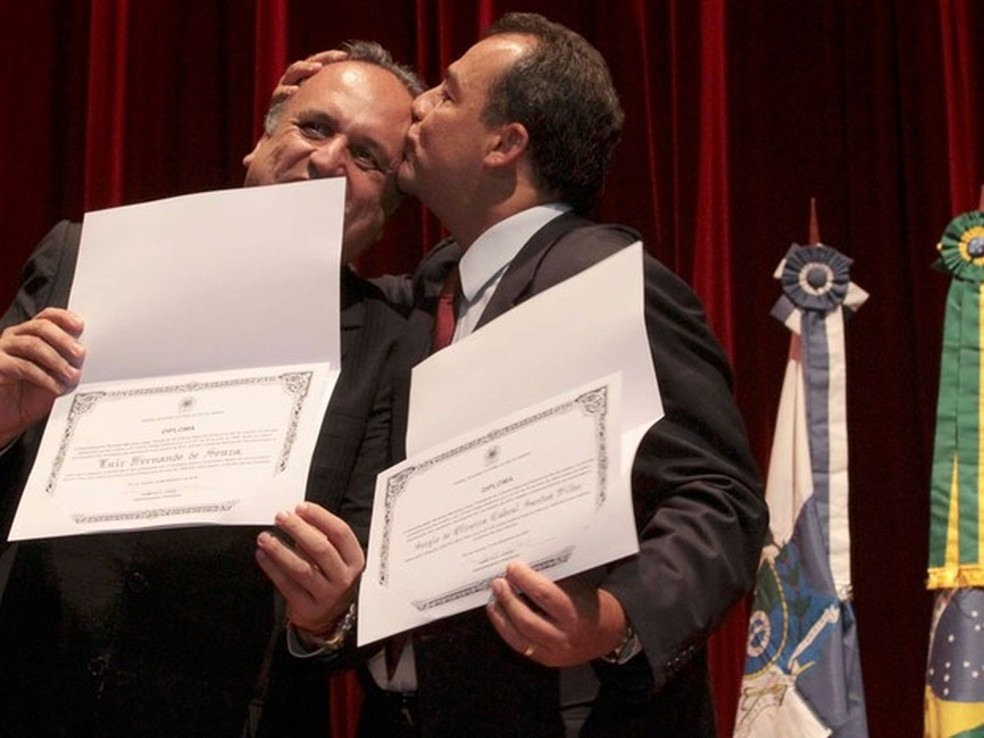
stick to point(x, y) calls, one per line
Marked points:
point(536, 486)
point(520, 443)
point(212, 347)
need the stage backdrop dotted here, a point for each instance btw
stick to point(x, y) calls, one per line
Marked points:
point(737, 114)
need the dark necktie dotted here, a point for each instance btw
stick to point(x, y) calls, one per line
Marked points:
point(447, 311)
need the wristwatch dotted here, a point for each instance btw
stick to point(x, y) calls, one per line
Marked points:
point(334, 640)
point(629, 647)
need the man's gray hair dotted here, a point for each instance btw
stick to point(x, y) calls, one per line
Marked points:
point(363, 51)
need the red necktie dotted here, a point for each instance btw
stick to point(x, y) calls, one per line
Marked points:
point(447, 311)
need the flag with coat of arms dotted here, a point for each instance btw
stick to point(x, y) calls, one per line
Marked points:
point(802, 670)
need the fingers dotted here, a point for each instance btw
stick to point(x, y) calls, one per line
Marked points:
point(318, 572)
point(328, 56)
point(68, 321)
point(49, 341)
point(289, 83)
point(292, 575)
point(521, 616)
point(43, 351)
point(325, 551)
point(299, 71)
point(555, 623)
point(545, 595)
point(505, 612)
point(343, 539)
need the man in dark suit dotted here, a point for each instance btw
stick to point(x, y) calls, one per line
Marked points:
point(170, 632)
point(510, 152)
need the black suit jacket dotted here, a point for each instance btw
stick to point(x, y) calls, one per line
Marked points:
point(699, 511)
point(166, 633)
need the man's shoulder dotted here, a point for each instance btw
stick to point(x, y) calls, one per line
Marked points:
point(59, 249)
point(46, 277)
point(573, 244)
point(63, 239)
point(372, 296)
point(587, 242)
point(586, 239)
point(374, 324)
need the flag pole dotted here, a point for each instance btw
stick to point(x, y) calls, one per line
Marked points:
point(814, 238)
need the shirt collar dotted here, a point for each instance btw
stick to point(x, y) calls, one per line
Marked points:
point(495, 249)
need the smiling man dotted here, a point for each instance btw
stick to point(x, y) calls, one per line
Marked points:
point(340, 123)
point(168, 632)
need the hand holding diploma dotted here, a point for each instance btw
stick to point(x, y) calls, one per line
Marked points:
point(318, 575)
point(40, 359)
point(557, 624)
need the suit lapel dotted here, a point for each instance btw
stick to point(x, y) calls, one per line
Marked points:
point(515, 284)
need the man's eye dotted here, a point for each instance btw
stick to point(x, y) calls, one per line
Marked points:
point(315, 130)
point(365, 160)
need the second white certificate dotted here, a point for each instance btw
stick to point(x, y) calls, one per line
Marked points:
point(541, 486)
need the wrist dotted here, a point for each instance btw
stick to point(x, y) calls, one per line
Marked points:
point(629, 646)
point(332, 638)
point(624, 642)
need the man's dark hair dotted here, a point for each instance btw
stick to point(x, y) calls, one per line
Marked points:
point(363, 51)
point(562, 92)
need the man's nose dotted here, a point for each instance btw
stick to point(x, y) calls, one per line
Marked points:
point(423, 104)
point(328, 159)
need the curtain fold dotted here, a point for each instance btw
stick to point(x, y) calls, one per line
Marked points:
point(712, 265)
point(712, 280)
point(270, 54)
point(960, 39)
point(106, 108)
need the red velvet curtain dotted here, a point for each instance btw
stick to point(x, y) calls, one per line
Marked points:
point(737, 114)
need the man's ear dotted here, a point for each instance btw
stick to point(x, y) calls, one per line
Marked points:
point(509, 144)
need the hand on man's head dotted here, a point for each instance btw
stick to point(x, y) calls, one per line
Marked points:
point(300, 70)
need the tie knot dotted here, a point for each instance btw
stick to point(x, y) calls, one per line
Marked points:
point(452, 284)
point(446, 314)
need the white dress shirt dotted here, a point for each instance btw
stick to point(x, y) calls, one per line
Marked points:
point(485, 261)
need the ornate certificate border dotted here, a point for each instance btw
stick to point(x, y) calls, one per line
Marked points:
point(592, 403)
point(295, 384)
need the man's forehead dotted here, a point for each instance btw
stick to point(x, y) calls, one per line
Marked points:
point(346, 76)
point(358, 89)
point(489, 56)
